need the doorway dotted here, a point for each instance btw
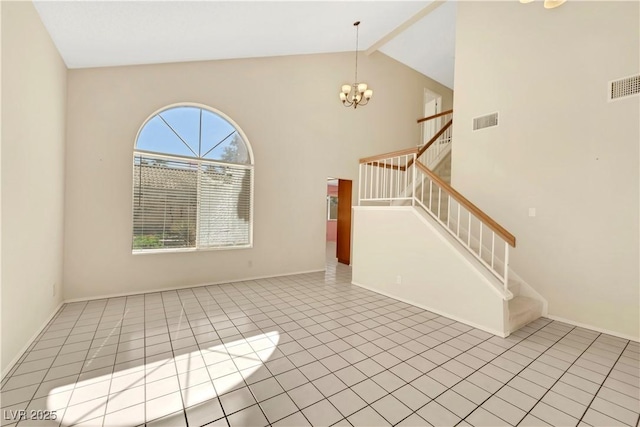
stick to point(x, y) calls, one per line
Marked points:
point(432, 105)
point(338, 239)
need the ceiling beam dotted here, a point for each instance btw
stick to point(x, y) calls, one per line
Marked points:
point(406, 24)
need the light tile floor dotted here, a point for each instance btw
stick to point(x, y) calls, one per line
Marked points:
point(311, 349)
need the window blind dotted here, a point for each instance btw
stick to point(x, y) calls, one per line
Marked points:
point(164, 203)
point(225, 206)
point(181, 203)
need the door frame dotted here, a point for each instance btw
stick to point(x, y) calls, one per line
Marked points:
point(430, 127)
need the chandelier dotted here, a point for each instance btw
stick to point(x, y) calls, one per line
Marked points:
point(357, 93)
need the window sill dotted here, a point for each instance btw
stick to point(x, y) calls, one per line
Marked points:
point(187, 250)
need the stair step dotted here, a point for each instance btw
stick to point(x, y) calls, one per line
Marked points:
point(443, 168)
point(514, 287)
point(523, 310)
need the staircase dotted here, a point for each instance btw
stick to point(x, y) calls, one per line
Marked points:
point(417, 182)
point(443, 168)
point(523, 310)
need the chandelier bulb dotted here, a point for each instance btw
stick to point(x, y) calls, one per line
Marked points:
point(552, 4)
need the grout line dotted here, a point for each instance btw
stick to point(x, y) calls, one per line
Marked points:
point(600, 386)
point(312, 301)
point(175, 365)
point(217, 396)
point(401, 362)
point(296, 367)
point(113, 370)
point(558, 380)
point(144, 353)
point(34, 343)
point(516, 375)
point(474, 370)
point(274, 377)
point(84, 361)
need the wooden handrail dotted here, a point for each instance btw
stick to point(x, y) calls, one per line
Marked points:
point(444, 113)
point(405, 152)
point(426, 146)
point(486, 219)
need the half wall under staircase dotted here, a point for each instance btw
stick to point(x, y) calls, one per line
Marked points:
point(419, 240)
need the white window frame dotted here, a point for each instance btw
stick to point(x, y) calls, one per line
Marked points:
point(199, 162)
point(329, 208)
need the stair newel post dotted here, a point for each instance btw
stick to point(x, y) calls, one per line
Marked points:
point(506, 266)
point(413, 179)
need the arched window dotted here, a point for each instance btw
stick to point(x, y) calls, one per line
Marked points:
point(192, 182)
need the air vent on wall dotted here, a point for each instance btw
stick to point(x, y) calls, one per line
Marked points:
point(485, 121)
point(622, 88)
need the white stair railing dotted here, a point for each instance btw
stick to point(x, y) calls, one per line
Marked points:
point(387, 178)
point(438, 144)
point(399, 177)
point(483, 237)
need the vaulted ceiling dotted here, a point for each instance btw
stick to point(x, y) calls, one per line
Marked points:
point(420, 34)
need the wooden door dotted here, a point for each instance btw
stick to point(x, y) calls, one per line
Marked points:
point(343, 240)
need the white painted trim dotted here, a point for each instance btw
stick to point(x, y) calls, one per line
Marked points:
point(438, 312)
point(593, 328)
point(173, 288)
point(204, 107)
point(199, 160)
point(138, 252)
point(11, 364)
point(406, 24)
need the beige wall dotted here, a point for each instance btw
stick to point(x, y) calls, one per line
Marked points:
point(560, 147)
point(33, 141)
point(300, 133)
point(398, 242)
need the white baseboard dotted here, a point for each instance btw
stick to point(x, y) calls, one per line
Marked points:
point(593, 328)
point(436, 311)
point(30, 341)
point(173, 288)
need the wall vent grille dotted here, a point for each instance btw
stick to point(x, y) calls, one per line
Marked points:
point(485, 121)
point(622, 88)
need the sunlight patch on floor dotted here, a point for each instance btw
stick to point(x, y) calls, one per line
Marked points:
point(202, 375)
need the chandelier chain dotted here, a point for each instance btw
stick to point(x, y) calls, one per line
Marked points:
point(356, 93)
point(357, 24)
